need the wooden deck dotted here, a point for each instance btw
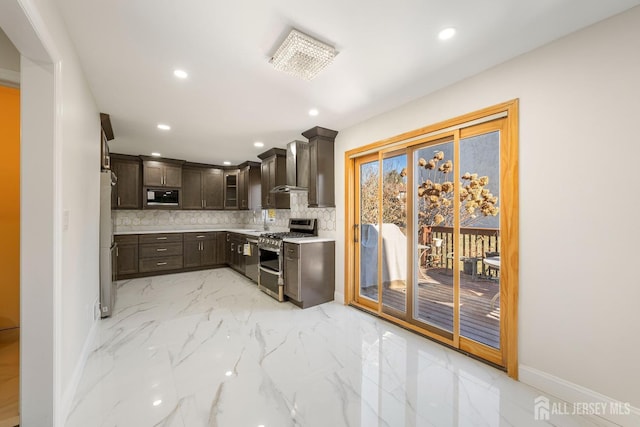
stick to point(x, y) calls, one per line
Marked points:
point(479, 321)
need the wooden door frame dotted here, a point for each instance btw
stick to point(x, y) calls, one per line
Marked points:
point(509, 220)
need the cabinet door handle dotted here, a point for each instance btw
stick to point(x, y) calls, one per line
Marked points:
point(161, 238)
point(161, 263)
point(200, 237)
point(117, 251)
point(233, 247)
point(118, 200)
point(204, 202)
point(161, 249)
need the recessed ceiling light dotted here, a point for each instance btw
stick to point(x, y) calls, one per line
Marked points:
point(228, 373)
point(164, 127)
point(226, 163)
point(258, 144)
point(157, 402)
point(156, 154)
point(313, 112)
point(181, 74)
point(447, 33)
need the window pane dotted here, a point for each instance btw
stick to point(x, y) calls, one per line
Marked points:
point(434, 195)
point(369, 214)
point(394, 232)
point(480, 238)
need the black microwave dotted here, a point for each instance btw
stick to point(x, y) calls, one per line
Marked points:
point(162, 198)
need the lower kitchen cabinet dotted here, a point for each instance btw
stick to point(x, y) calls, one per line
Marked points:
point(235, 251)
point(126, 255)
point(309, 273)
point(160, 252)
point(201, 249)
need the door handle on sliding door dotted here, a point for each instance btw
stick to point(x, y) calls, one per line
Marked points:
point(356, 228)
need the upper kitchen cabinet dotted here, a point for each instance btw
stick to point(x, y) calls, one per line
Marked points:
point(249, 186)
point(127, 192)
point(202, 187)
point(321, 167)
point(212, 191)
point(231, 189)
point(274, 173)
point(162, 173)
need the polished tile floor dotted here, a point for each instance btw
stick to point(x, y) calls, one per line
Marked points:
point(208, 349)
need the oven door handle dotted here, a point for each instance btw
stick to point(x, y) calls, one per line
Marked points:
point(270, 271)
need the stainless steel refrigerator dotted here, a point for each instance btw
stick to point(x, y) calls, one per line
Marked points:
point(108, 247)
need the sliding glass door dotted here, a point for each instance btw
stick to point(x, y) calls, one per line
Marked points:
point(429, 236)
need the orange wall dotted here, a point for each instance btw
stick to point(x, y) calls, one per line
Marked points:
point(10, 207)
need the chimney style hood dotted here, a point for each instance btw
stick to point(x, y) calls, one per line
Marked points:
point(297, 168)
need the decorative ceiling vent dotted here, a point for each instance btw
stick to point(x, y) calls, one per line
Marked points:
point(302, 55)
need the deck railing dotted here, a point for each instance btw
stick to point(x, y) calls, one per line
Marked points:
point(475, 243)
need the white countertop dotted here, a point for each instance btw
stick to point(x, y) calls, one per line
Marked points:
point(303, 240)
point(255, 233)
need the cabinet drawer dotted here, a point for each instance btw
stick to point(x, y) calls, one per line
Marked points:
point(291, 250)
point(160, 238)
point(190, 237)
point(126, 239)
point(160, 250)
point(159, 264)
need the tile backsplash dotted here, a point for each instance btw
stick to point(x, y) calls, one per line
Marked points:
point(152, 220)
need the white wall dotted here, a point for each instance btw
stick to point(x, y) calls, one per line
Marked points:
point(9, 56)
point(60, 174)
point(9, 62)
point(579, 292)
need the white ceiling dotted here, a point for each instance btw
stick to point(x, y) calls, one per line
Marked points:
point(389, 54)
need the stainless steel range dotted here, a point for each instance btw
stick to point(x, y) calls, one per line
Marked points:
point(270, 277)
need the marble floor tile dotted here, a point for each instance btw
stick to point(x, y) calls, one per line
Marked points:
point(208, 349)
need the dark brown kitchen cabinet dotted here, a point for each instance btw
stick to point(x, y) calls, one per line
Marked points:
point(321, 167)
point(212, 191)
point(192, 189)
point(162, 173)
point(126, 255)
point(235, 251)
point(160, 252)
point(126, 194)
point(249, 186)
point(202, 188)
point(200, 249)
point(273, 172)
point(309, 272)
point(231, 189)
point(221, 245)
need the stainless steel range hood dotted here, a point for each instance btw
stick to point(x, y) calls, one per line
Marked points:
point(297, 168)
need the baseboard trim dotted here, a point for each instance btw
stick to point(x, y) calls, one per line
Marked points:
point(70, 392)
point(574, 393)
